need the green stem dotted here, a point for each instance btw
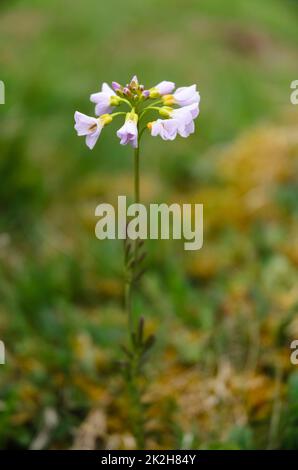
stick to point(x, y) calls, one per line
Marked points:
point(120, 113)
point(129, 309)
point(136, 196)
point(156, 102)
point(136, 408)
point(152, 108)
point(137, 174)
point(129, 281)
point(123, 100)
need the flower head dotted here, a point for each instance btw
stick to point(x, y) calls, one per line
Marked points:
point(104, 100)
point(177, 111)
point(128, 133)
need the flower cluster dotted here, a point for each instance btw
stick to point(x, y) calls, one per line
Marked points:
point(177, 110)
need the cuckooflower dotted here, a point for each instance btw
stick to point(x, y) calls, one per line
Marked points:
point(90, 127)
point(186, 116)
point(177, 111)
point(166, 128)
point(183, 96)
point(192, 109)
point(104, 100)
point(180, 122)
point(128, 133)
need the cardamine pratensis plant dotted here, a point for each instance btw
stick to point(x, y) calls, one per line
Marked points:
point(177, 110)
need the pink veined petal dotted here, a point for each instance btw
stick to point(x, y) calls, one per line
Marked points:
point(156, 128)
point(103, 108)
point(128, 134)
point(88, 126)
point(187, 129)
point(131, 128)
point(107, 89)
point(186, 95)
point(190, 128)
point(83, 123)
point(80, 117)
point(102, 100)
point(121, 133)
point(171, 136)
point(134, 142)
point(185, 92)
point(91, 139)
point(171, 126)
point(193, 109)
point(183, 115)
point(166, 128)
point(95, 97)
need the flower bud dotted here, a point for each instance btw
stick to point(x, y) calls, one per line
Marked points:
point(116, 86)
point(146, 93)
point(134, 83)
point(165, 111)
point(105, 119)
point(132, 116)
point(168, 100)
point(154, 93)
point(115, 100)
point(128, 133)
point(126, 91)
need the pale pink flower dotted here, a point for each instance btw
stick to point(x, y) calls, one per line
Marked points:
point(90, 127)
point(128, 133)
point(181, 121)
point(165, 128)
point(102, 100)
point(186, 95)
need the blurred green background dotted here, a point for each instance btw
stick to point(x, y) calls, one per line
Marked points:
point(220, 375)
